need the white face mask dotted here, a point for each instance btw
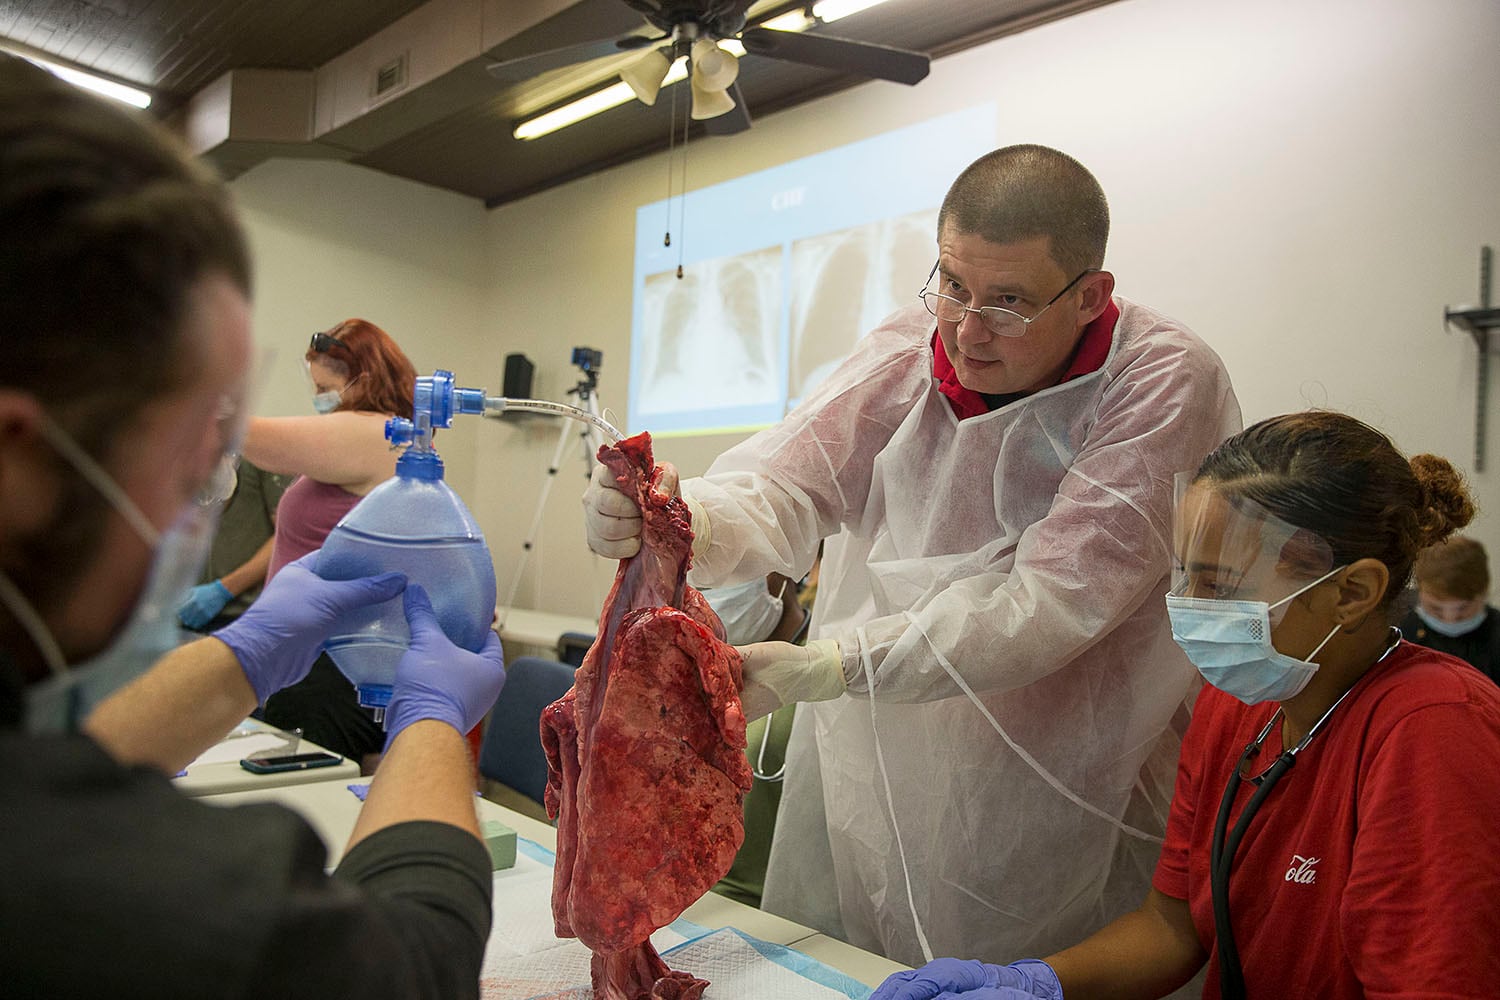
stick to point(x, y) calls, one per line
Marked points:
point(748, 610)
point(64, 700)
point(1230, 644)
point(329, 400)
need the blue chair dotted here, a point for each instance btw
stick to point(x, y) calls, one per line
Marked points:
point(511, 752)
point(572, 646)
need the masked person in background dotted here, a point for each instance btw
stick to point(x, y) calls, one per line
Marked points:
point(1369, 868)
point(1453, 613)
point(990, 675)
point(240, 553)
point(118, 253)
point(359, 378)
point(760, 611)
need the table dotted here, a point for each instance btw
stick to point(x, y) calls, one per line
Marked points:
point(540, 629)
point(218, 770)
point(332, 810)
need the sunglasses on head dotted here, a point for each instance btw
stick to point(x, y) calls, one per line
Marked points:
point(324, 342)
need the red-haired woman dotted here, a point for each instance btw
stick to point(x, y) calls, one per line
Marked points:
point(360, 377)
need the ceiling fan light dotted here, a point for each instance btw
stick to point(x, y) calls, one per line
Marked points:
point(710, 103)
point(713, 68)
point(646, 74)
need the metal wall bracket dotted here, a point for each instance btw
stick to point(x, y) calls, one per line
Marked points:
point(1480, 323)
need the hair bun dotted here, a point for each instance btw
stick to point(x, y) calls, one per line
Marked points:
point(1446, 504)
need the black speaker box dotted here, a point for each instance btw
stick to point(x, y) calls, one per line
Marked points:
point(518, 372)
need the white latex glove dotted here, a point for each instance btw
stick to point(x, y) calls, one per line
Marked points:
point(782, 673)
point(612, 521)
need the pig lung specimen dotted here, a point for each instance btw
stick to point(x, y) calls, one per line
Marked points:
point(646, 755)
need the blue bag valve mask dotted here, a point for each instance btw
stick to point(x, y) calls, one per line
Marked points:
point(415, 524)
point(412, 523)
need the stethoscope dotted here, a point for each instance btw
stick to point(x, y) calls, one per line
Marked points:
point(758, 769)
point(1222, 852)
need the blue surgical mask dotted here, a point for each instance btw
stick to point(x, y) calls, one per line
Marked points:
point(327, 402)
point(1230, 644)
point(64, 700)
point(1452, 629)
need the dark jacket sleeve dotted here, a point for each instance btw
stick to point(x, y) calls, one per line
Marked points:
point(406, 915)
point(117, 886)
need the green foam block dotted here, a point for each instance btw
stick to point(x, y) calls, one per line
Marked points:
point(501, 840)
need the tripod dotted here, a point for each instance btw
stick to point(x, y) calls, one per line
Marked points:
point(589, 436)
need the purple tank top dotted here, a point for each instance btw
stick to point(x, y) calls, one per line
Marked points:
point(307, 513)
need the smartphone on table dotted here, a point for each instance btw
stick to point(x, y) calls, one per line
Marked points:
point(289, 762)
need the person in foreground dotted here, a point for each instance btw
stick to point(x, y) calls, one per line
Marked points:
point(118, 253)
point(1332, 827)
point(990, 673)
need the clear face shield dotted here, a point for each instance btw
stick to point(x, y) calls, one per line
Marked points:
point(1233, 549)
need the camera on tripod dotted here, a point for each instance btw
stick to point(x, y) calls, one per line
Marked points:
point(587, 358)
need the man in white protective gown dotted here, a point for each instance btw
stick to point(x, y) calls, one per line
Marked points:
point(996, 702)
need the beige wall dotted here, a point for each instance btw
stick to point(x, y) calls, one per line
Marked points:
point(1305, 182)
point(333, 241)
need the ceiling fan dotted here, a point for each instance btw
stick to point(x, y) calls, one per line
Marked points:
point(698, 30)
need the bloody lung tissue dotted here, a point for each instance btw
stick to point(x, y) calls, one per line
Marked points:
point(646, 755)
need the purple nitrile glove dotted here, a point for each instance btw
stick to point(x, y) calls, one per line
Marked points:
point(276, 640)
point(436, 679)
point(943, 978)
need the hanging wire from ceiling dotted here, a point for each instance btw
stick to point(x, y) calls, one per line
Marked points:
point(674, 151)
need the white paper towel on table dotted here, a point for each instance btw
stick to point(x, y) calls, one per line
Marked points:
point(525, 960)
point(736, 967)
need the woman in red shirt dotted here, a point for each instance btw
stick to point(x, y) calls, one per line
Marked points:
point(360, 378)
point(1332, 826)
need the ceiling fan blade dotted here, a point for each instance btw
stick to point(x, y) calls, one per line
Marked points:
point(730, 122)
point(525, 67)
point(846, 55)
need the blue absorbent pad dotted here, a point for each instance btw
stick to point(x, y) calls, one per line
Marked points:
point(807, 967)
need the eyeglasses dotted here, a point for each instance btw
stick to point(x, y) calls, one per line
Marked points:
point(998, 320)
point(322, 343)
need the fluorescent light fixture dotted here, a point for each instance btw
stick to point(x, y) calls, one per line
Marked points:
point(618, 93)
point(832, 10)
point(589, 105)
point(797, 20)
point(575, 111)
point(88, 81)
point(823, 11)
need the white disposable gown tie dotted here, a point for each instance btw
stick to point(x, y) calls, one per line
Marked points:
point(1024, 550)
